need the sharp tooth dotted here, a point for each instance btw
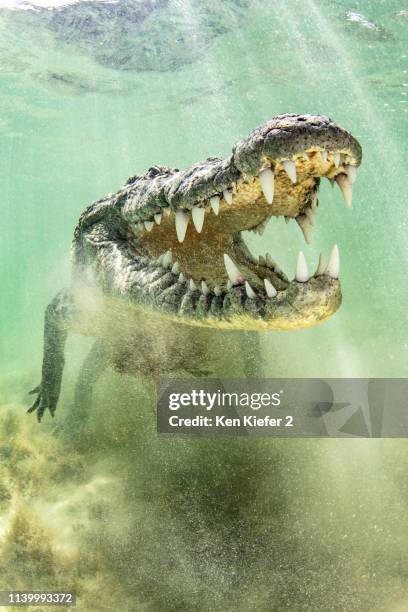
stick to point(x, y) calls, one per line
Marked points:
point(262, 261)
point(160, 259)
point(229, 285)
point(320, 266)
point(167, 259)
point(302, 274)
point(270, 289)
point(182, 220)
point(217, 290)
point(306, 227)
point(198, 215)
point(227, 193)
point(158, 218)
point(215, 204)
point(191, 285)
point(148, 225)
point(181, 278)
point(234, 274)
point(290, 168)
point(323, 155)
point(205, 290)
point(333, 267)
point(176, 267)
point(267, 180)
point(249, 291)
point(167, 211)
point(331, 181)
point(287, 219)
point(336, 159)
point(351, 173)
point(314, 203)
point(346, 188)
point(305, 156)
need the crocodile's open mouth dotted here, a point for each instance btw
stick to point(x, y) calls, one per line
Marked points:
point(197, 264)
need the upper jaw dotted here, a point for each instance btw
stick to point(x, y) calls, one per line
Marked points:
point(275, 171)
point(287, 136)
point(280, 144)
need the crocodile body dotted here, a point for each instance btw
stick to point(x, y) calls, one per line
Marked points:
point(161, 264)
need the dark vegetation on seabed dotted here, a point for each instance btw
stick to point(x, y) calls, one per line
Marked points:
point(121, 515)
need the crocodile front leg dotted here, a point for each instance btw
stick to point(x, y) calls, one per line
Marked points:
point(57, 314)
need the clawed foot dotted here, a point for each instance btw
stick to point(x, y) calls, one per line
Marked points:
point(42, 402)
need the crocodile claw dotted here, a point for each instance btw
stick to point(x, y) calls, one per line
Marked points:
point(41, 403)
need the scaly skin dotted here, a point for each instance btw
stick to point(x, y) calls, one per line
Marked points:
point(126, 292)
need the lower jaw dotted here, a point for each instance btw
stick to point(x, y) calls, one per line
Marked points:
point(301, 306)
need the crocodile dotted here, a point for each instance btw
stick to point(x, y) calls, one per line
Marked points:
point(161, 264)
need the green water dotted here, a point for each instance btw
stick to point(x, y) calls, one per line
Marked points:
point(136, 523)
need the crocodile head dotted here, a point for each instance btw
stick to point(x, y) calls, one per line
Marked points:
point(184, 228)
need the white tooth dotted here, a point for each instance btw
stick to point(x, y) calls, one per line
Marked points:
point(215, 204)
point(351, 173)
point(191, 285)
point(323, 155)
point(167, 211)
point(305, 156)
point(160, 259)
point(205, 290)
point(314, 201)
point(306, 227)
point(182, 220)
point(320, 266)
point(217, 290)
point(167, 259)
point(346, 188)
point(302, 274)
point(333, 267)
point(158, 218)
point(229, 285)
point(267, 180)
point(148, 225)
point(227, 193)
point(181, 278)
point(234, 274)
point(336, 159)
point(287, 219)
point(198, 215)
point(176, 267)
point(290, 168)
point(270, 289)
point(249, 291)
